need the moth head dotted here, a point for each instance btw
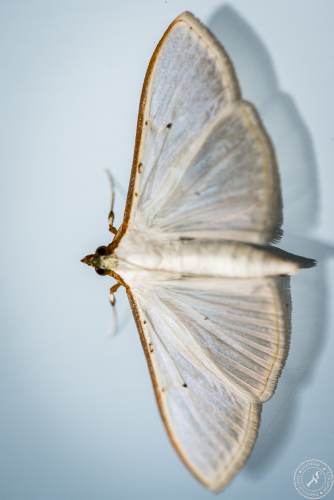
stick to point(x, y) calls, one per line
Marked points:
point(102, 260)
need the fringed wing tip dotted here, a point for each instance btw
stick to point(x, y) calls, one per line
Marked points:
point(224, 478)
point(305, 262)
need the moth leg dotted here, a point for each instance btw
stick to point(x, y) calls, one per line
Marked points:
point(111, 226)
point(111, 215)
point(112, 292)
point(112, 301)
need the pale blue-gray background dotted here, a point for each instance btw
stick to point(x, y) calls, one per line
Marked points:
point(78, 418)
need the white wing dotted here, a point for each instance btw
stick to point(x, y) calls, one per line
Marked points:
point(203, 165)
point(215, 348)
point(204, 168)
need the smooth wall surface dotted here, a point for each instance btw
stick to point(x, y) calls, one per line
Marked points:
point(78, 418)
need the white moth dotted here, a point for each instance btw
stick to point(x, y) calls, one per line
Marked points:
point(209, 296)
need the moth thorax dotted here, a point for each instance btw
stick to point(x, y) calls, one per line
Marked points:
point(107, 262)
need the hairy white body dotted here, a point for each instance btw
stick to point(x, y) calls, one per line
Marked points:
point(136, 255)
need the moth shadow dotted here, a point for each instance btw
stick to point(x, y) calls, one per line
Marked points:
point(300, 190)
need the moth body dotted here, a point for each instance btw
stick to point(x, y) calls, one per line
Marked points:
point(135, 257)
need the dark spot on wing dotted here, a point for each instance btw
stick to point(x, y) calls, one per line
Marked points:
point(169, 125)
point(184, 385)
point(186, 238)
